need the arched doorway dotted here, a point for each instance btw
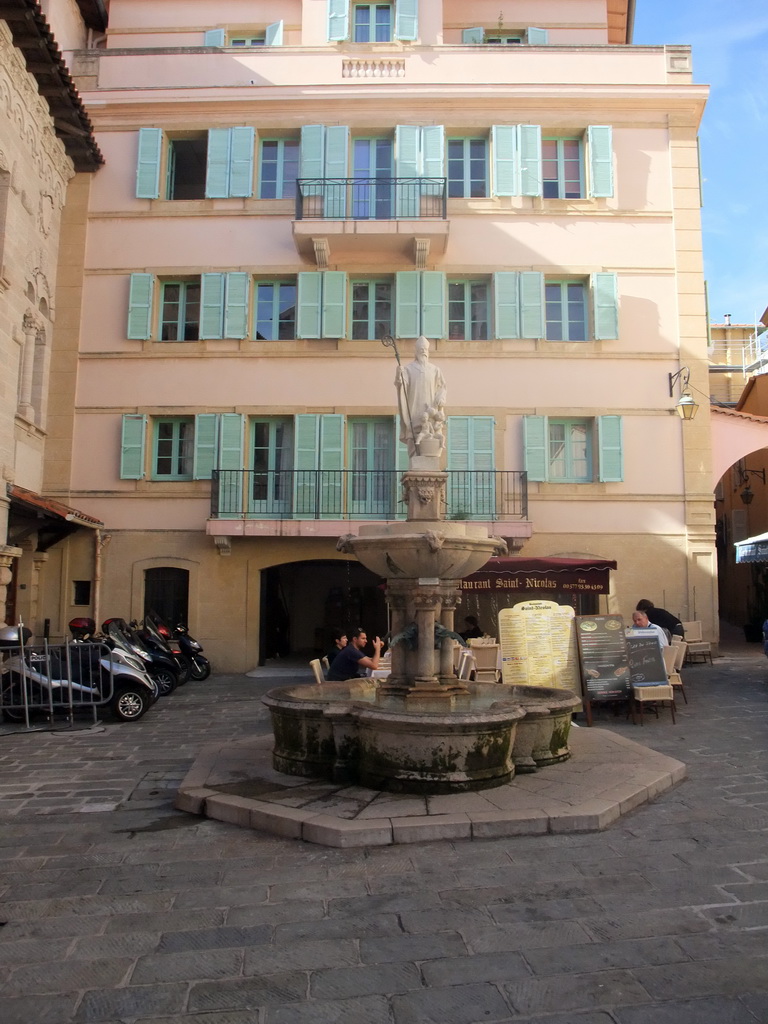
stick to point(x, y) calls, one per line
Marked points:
point(166, 593)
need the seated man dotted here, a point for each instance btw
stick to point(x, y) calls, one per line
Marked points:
point(351, 660)
point(661, 617)
point(641, 621)
point(339, 643)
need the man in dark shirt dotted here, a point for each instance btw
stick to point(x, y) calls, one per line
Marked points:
point(351, 660)
point(661, 617)
point(339, 643)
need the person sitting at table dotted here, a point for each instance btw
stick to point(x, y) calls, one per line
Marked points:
point(351, 661)
point(471, 629)
point(661, 617)
point(339, 643)
point(641, 621)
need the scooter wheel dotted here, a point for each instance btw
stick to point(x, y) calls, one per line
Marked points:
point(199, 668)
point(166, 680)
point(130, 703)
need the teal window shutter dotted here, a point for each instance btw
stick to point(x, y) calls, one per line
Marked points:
point(206, 435)
point(217, 168)
point(310, 304)
point(532, 304)
point(506, 161)
point(458, 444)
point(241, 149)
point(274, 34)
point(600, 148)
point(148, 163)
point(230, 457)
point(312, 153)
point(470, 456)
point(609, 437)
point(530, 160)
point(338, 20)
point(212, 287)
point(140, 307)
point(472, 36)
point(433, 151)
point(433, 303)
point(306, 461)
point(132, 447)
point(407, 20)
point(605, 306)
point(236, 305)
point(331, 462)
point(215, 37)
point(334, 321)
point(402, 460)
point(535, 444)
point(407, 161)
point(407, 303)
point(336, 166)
point(537, 36)
point(506, 304)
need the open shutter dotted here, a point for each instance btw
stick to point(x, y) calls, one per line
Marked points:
point(470, 464)
point(338, 20)
point(241, 147)
point(407, 153)
point(312, 154)
point(211, 305)
point(215, 37)
point(306, 462)
point(337, 167)
point(506, 304)
point(472, 36)
point(132, 447)
point(148, 163)
point(532, 323)
point(236, 305)
point(334, 322)
point(609, 437)
point(206, 432)
point(605, 306)
point(274, 34)
point(331, 464)
point(433, 154)
point(433, 303)
point(402, 461)
point(537, 36)
point(458, 445)
point(230, 456)
point(407, 303)
point(483, 463)
point(536, 461)
point(506, 162)
point(309, 302)
point(600, 149)
point(217, 167)
point(140, 307)
point(407, 20)
point(530, 160)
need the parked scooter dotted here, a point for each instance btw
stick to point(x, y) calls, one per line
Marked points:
point(153, 636)
point(160, 665)
point(80, 677)
point(83, 631)
point(191, 649)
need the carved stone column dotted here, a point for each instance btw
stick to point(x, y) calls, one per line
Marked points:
point(26, 376)
point(451, 596)
point(398, 609)
point(424, 495)
point(39, 558)
point(8, 555)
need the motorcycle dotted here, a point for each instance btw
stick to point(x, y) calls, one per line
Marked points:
point(156, 634)
point(191, 649)
point(162, 668)
point(68, 677)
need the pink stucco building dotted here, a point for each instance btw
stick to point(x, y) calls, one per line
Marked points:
point(289, 181)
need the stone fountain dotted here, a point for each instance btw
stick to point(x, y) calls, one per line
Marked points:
point(422, 729)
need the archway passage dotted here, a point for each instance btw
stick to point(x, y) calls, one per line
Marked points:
point(303, 602)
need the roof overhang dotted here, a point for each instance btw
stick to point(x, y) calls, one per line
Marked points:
point(541, 574)
point(51, 520)
point(753, 549)
point(94, 14)
point(32, 36)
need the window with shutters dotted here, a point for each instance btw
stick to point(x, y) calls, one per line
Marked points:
point(372, 23)
point(278, 168)
point(187, 167)
point(512, 37)
point(467, 168)
point(180, 310)
point(566, 309)
point(275, 318)
point(468, 310)
point(257, 40)
point(372, 309)
point(174, 448)
point(569, 450)
point(505, 40)
point(561, 168)
point(271, 486)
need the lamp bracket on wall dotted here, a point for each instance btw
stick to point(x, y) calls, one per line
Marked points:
point(686, 407)
point(744, 474)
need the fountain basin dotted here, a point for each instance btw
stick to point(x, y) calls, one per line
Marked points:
point(542, 736)
point(447, 550)
point(350, 732)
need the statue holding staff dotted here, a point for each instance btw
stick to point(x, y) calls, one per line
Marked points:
point(421, 395)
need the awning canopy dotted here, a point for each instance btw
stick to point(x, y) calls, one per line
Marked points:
point(753, 549)
point(541, 575)
point(51, 520)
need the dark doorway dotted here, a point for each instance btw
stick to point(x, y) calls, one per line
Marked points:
point(303, 602)
point(166, 593)
point(10, 594)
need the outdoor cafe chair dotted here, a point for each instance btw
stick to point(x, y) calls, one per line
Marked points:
point(697, 645)
point(317, 669)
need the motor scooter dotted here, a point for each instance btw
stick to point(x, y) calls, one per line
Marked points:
point(67, 677)
point(160, 665)
point(191, 649)
point(83, 631)
point(156, 636)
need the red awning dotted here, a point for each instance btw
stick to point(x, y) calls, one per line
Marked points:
point(51, 507)
point(541, 575)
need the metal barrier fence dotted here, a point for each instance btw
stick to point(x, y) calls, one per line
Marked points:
point(53, 679)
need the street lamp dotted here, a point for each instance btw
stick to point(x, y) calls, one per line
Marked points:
point(687, 406)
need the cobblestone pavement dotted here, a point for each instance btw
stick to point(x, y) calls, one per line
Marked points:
point(120, 909)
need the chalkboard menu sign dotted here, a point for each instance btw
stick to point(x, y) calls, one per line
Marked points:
point(646, 662)
point(603, 657)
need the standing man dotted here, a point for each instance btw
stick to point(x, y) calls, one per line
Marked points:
point(661, 617)
point(351, 661)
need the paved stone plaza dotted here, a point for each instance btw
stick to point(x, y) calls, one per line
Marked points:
point(119, 908)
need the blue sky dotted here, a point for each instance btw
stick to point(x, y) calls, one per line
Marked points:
point(730, 54)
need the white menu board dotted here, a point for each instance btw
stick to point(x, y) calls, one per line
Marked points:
point(538, 645)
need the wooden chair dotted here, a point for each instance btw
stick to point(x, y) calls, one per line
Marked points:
point(697, 645)
point(317, 669)
point(486, 663)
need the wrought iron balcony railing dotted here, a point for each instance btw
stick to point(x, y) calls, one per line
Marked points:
point(347, 494)
point(371, 198)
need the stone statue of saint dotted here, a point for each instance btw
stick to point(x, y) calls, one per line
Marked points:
point(421, 396)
